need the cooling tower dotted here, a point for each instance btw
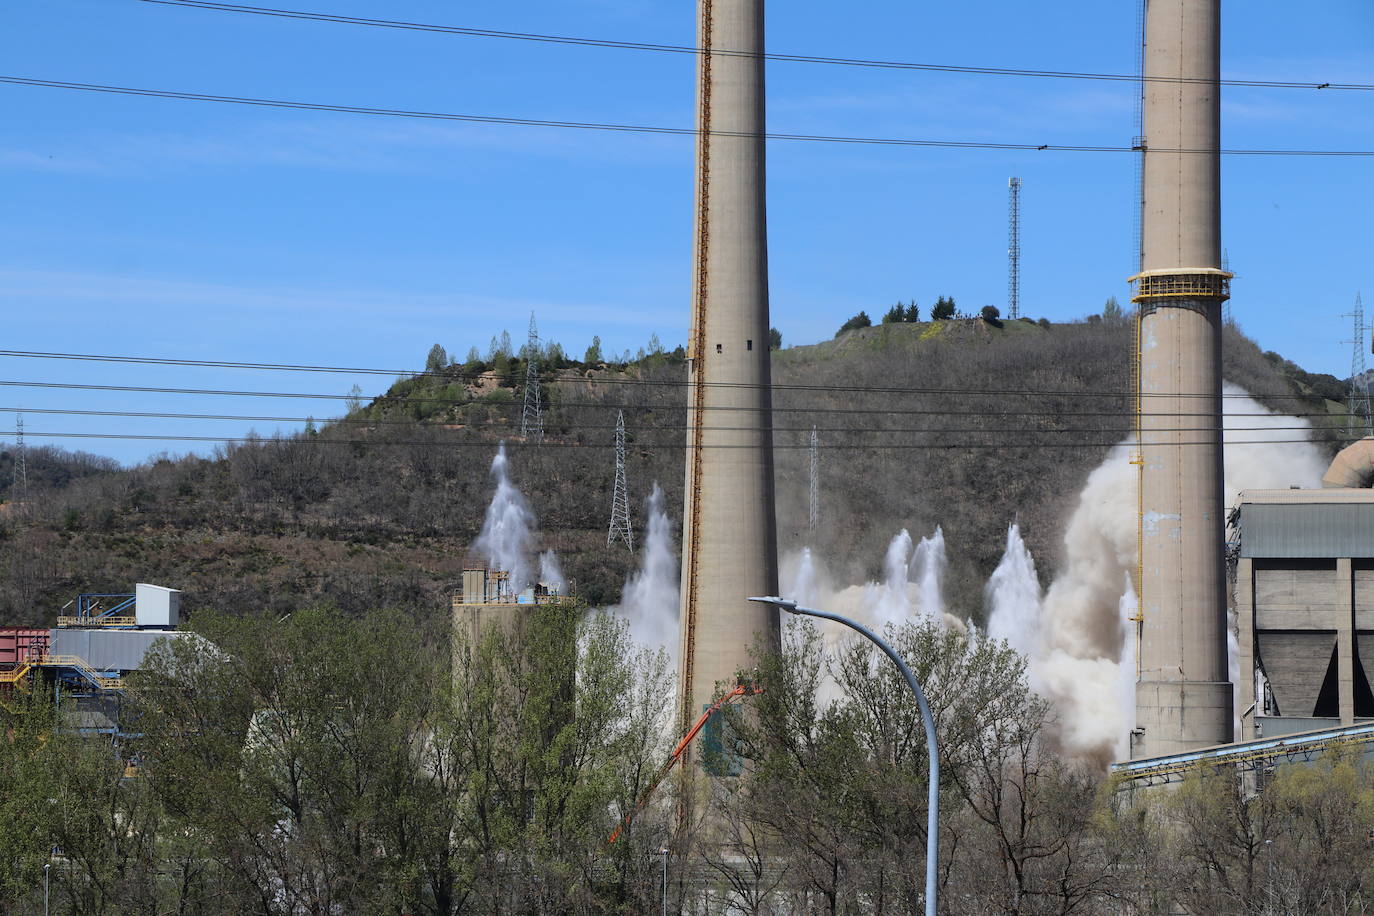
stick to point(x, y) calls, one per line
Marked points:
point(729, 540)
point(1183, 698)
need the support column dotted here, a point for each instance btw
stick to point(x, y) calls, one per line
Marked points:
point(1247, 700)
point(1345, 639)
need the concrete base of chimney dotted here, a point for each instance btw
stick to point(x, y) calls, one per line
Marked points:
point(1177, 716)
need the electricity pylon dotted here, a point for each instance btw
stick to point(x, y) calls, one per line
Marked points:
point(532, 417)
point(620, 497)
point(1359, 422)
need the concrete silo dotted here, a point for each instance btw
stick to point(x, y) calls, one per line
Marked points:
point(729, 543)
point(1183, 697)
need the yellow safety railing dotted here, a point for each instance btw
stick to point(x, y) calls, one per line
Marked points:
point(14, 675)
point(97, 622)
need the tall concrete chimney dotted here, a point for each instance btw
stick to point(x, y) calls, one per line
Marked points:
point(1183, 697)
point(729, 544)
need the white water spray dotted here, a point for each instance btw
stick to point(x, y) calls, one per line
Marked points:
point(1013, 598)
point(650, 597)
point(508, 531)
point(551, 573)
point(803, 584)
point(929, 565)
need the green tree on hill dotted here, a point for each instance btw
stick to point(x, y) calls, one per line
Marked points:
point(944, 309)
point(860, 320)
point(593, 355)
point(437, 358)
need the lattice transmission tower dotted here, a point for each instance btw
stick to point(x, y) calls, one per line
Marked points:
point(815, 481)
point(19, 487)
point(1359, 418)
point(1014, 248)
point(532, 418)
point(620, 498)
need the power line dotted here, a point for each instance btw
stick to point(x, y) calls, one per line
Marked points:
point(469, 32)
point(322, 440)
point(659, 426)
point(639, 128)
point(885, 411)
point(607, 380)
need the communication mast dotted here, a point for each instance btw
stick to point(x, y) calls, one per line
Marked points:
point(1359, 421)
point(815, 481)
point(1014, 249)
point(532, 418)
point(620, 497)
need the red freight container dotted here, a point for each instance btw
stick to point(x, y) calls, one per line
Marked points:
point(18, 643)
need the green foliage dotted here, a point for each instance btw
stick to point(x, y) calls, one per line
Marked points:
point(1112, 311)
point(902, 313)
point(27, 783)
point(860, 320)
point(593, 355)
point(437, 359)
point(990, 314)
point(943, 310)
point(774, 339)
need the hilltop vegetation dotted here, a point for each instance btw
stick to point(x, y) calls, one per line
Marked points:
point(968, 424)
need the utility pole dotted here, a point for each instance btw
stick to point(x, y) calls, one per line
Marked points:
point(620, 496)
point(815, 483)
point(1359, 422)
point(532, 417)
point(1014, 249)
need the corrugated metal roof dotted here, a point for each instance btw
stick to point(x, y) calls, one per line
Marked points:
point(1311, 530)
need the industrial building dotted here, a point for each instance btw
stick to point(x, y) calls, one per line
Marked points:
point(1304, 599)
point(488, 603)
point(85, 658)
point(1302, 564)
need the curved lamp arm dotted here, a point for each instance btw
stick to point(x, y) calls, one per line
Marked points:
point(932, 748)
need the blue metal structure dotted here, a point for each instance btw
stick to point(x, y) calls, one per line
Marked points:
point(1244, 756)
point(93, 609)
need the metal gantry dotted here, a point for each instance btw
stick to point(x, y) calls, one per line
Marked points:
point(1359, 417)
point(1014, 248)
point(532, 418)
point(620, 526)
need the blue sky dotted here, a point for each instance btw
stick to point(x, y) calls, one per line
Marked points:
point(165, 228)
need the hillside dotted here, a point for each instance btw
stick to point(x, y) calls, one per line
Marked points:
point(380, 510)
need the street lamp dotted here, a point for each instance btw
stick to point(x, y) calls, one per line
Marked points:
point(664, 852)
point(933, 792)
point(46, 866)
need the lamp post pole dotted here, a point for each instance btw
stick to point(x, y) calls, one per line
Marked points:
point(46, 866)
point(933, 791)
point(664, 853)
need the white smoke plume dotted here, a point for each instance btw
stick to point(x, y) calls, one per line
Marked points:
point(1013, 598)
point(913, 575)
point(1081, 668)
point(507, 532)
point(650, 597)
point(551, 573)
point(930, 563)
